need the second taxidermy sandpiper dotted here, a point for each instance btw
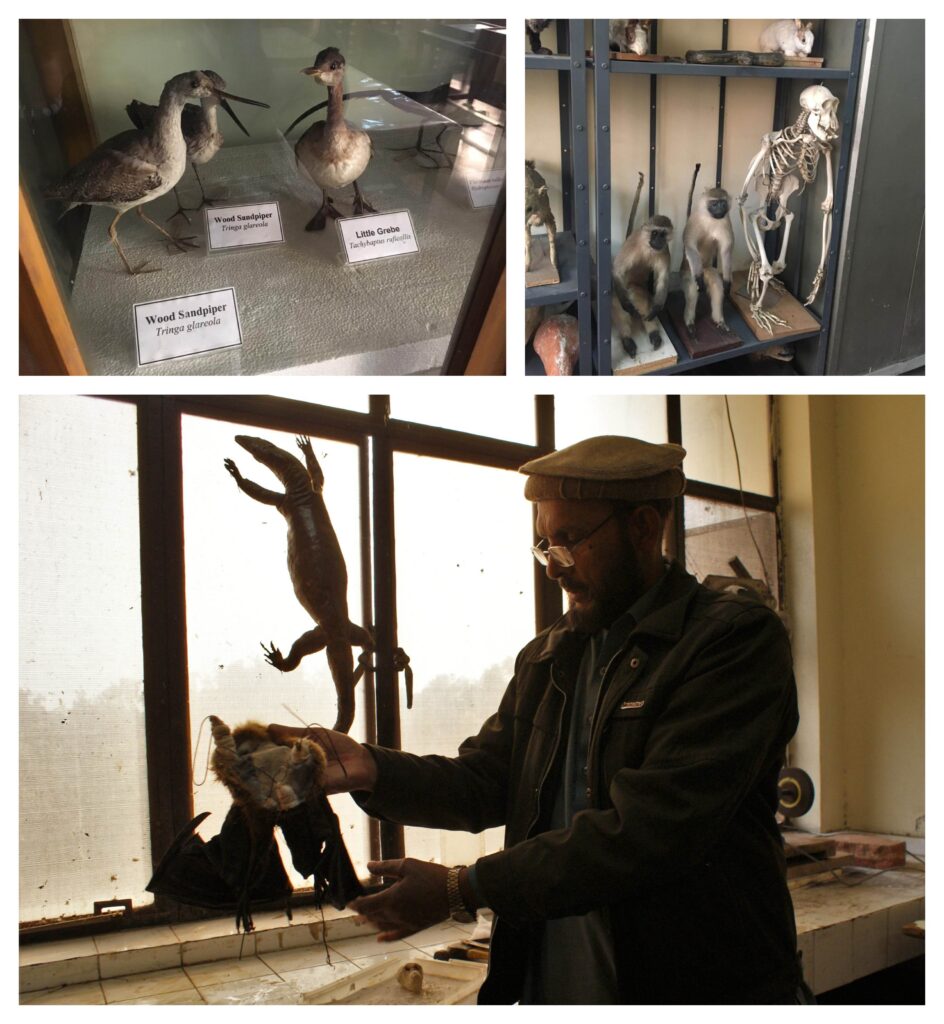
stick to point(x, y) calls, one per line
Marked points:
point(201, 133)
point(139, 165)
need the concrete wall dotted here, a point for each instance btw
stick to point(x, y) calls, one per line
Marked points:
point(852, 484)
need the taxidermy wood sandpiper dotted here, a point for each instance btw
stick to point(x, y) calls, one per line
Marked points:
point(136, 166)
point(201, 133)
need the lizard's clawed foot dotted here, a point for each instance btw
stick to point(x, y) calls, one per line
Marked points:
point(230, 468)
point(273, 655)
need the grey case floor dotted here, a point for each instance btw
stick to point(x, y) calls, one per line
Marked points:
point(301, 306)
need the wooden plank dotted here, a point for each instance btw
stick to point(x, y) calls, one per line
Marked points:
point(45, 329)
point(783, 304)
point(542, 271)
point(488, 355)
point(810, 867)
point(798, 845)
point(646, 359)
point(708, 339)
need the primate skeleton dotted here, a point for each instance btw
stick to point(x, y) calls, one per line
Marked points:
point(787, 163)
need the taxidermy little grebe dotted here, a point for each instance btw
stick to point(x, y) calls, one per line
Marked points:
point(333, 152)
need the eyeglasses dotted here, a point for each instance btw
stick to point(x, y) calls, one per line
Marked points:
point(563, 556)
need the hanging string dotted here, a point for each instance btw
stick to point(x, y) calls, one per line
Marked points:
point(315, 725)
point(747, 520)
point(193, 766)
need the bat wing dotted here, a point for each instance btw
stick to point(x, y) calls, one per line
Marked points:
point(234, 871)
point(313, 835)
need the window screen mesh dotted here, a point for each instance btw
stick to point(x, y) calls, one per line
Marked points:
point(465, 605)
point(83, 815)
point(717, 533)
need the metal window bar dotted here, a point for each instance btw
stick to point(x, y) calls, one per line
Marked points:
point(570, 64)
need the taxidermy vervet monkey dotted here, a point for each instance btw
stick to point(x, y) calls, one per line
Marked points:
point(641, 281)
point(708, 237)
point(535, 27)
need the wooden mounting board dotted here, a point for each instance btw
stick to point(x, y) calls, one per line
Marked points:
point(542, 270)
point(797, 846)
point(802, 62)
point(799, 319)
point(646, 359)
point(817, 867)
point(708, 339)
point(654, 57)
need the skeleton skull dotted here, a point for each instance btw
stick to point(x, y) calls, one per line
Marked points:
point(822, 106)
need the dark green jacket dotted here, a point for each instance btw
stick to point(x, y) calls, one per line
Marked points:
point(680, 843)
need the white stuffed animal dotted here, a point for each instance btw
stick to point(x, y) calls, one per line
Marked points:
point(792, 37)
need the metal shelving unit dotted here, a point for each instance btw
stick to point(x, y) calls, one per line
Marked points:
point(602, 70)
point(573, 241)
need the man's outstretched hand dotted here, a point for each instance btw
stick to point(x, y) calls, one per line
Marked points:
point(415, 901)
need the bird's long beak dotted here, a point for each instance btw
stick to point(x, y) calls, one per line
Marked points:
point(224, 96)
point(232, 113)
point(313, 72)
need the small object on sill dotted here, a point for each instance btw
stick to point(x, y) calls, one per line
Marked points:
point(410, 977)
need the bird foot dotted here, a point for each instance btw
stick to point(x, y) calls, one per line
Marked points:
point(362, 206)
point(181, 211)
point(317, 223)
point(140, 269)
point(183, 243)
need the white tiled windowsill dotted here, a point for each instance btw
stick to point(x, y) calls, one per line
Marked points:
point(209, 962)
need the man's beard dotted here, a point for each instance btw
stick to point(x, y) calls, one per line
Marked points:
point(621, 588)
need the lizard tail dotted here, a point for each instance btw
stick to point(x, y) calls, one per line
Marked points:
point(341, 663)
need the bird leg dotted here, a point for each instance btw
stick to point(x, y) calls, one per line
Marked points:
point(360, 203)
point(181, 210)
point(207, 200)
point(327, 209)
point(113, 236)
point(182, 243)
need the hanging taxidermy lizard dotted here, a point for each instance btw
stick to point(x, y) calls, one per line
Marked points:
point(315, 565)
point(272, 785)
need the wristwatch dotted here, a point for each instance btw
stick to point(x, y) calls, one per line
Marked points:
point(458, 910)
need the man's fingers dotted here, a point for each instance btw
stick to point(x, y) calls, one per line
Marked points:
point(391, 868)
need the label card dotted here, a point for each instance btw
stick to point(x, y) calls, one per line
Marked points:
point(377, 235)
point(483, 191)
point(186, 325)
point(229, 227)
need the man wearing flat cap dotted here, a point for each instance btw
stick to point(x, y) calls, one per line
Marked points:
point(633, 762)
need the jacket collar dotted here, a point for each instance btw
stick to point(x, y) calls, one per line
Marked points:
point(665, 621)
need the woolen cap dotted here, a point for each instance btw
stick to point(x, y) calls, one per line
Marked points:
point(607, 467)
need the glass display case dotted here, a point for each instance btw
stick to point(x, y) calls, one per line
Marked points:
point(261, 197)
